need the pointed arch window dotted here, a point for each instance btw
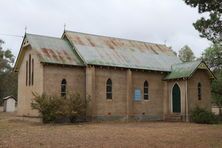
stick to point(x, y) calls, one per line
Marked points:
point(146, 90)
point(30, 76)
point(199, 91)
point(63, 88)
point(26, 73)
point(32, 71)
point(109, 89)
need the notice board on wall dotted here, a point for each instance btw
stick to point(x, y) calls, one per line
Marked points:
point(137, 94)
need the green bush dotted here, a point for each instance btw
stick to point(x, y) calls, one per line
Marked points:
point(54, 109)
point(200, 115)
point(76, 107)
point(219, 118)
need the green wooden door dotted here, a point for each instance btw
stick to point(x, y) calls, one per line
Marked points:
point(176, 99)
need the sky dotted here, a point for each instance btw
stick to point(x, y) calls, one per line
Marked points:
point(159, 21)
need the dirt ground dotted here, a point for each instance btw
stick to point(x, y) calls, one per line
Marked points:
point(14, 132)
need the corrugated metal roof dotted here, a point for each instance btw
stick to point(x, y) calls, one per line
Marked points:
point(109, 51)
point(183, 70)
point(53, 50)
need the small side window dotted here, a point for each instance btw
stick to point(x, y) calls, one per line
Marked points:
point(63, 88)
point(109, 89)
point(146, 90)
point(199, 91)
point(30, 76)
point(26, 76)
point(32, 71)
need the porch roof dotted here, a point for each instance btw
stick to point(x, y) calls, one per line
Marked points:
point(185, 70)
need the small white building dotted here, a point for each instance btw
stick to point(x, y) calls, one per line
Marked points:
point(216, 110)
point(9, 104)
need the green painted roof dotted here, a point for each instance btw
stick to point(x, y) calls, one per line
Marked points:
point(53, 50)
point(110, 51)
point(183, 70)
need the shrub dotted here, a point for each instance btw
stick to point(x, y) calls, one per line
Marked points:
point(76, 107)
point(200, 115)
point(53, 108)
point(219, 118)
point(46, 105)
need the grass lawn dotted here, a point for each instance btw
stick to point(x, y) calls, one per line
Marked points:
point(17, 133)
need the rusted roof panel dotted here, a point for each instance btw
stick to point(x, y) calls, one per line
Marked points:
point(109, 51)
point(53, 50)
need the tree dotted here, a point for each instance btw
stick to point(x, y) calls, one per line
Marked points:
point(186, 54)
point(213, 57)
point(209, 27)
point(217, 91)
point(8, 78)
point(6, 59)
point(9, 84)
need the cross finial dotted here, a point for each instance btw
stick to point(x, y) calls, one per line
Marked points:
point(64, 26)
point(26, 29)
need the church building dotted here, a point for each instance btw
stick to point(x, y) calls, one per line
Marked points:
point(125, 79)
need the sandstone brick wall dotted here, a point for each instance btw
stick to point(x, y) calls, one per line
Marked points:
point(153, 106)
point(54, 74)
point(116, 106)
point(25, 92)
point(205, 102)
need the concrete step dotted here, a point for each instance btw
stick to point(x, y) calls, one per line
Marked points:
point(174, 118)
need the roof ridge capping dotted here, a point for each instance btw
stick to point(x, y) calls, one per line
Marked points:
point(45, 36)
point(116, 38)
point(183, 63)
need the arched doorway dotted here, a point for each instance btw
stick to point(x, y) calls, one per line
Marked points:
point(176, 99)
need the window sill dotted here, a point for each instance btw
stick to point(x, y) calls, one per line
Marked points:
point(137, 100)
point(147, 100)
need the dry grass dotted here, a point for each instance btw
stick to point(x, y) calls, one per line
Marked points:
point(17, 133)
